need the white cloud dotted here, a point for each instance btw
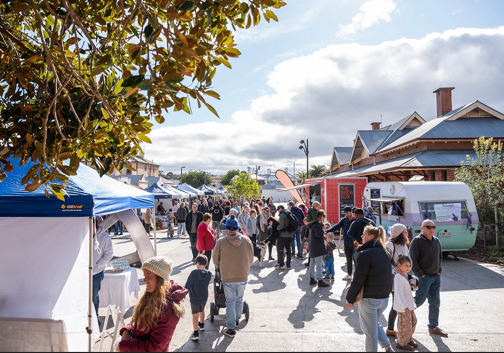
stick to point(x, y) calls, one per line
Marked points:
point(372, 12)
point(330, 94)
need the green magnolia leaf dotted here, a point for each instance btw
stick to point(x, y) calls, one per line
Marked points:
point(145, 85)
point(148, 31)
point(133, 81)
point(212, 109)
point(144, 138)
point(186, 6)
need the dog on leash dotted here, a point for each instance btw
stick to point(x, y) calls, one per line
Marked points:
point(260, 252)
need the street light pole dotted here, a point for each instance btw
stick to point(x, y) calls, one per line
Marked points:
point(181, 174)
point(256, 170)
point(304, 146)
point(294, 171)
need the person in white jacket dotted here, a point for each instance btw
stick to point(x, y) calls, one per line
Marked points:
point(252, 226)
point(404, 304)
point(102, 254)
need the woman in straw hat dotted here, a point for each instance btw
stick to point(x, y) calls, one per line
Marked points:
point(158, 311)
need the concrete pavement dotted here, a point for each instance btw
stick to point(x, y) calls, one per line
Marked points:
point(287, 314)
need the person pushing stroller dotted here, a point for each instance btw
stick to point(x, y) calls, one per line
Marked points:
point(233, 255)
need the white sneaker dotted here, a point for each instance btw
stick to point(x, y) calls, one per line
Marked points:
point(347, 278)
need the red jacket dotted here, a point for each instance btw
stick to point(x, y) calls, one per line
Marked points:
point(205, 240)
point(158, 338)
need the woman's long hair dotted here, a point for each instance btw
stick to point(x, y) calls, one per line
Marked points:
point(401, 239)
point(151, 306)
point(379, 235)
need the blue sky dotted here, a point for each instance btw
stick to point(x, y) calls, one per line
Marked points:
point(329, 68)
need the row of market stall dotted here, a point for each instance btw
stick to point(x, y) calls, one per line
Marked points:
point(184, 191)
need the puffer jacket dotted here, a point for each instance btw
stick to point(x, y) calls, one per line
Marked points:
point(373, 272)
point(316, 244)
point(159, 337)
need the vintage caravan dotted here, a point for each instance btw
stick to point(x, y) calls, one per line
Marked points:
point(449, 204)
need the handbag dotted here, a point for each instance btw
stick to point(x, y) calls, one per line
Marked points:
point(358, 299)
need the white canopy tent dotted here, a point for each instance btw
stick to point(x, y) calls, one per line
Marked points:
point(46, 259)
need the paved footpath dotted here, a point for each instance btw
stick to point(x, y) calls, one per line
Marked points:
point(287, 314)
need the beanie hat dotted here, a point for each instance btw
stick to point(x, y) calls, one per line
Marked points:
point(231, 223)
point(397, 229)
point(160, 265)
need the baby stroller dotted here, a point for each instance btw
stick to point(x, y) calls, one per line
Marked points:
point(220, 298)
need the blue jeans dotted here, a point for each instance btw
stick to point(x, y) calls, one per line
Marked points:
point(181, 229)
point(329, 267)
point(118, 227)
point(316, 262)
point(97, 279)
point(370, 311)
point(193, 238)
point(429, 288)
point(296, 239)
point(234, 303)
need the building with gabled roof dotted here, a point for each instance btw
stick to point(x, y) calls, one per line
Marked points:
point(414, 146)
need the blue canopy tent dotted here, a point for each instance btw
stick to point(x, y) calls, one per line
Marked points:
point(206, 189)
point(189, 189)
point(57, 237)
point(88, 195)
point(161, 192)
point(221, 190)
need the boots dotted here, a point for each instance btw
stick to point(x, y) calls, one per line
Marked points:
point(321, 283)
point(312, 281)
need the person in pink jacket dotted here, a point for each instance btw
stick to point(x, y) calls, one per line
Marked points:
point(158, 311)
point(206, 241)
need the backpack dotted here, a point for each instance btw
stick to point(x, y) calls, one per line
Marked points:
point(293, 222)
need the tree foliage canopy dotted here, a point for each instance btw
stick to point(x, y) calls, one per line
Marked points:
point(317, 170)
point(226, 178)
point(243, 186)
point(485, 177)
point(196, 179)
point(82, 79)
point(302, 176)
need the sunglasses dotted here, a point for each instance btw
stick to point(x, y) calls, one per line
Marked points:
point(430, 227)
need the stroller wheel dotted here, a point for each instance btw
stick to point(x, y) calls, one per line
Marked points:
point(212, 311)
point(246, 310)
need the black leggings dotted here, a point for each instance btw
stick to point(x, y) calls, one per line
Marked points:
point(392, 316)
point(349, 253)
point(284, 243)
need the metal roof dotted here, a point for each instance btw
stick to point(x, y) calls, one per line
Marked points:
point(372, 139)
point(426, 159)
point(468, 128)
point(343, 154)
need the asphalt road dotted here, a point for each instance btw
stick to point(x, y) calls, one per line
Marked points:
point(287, 314)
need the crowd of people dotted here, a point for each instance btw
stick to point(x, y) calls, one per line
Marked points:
point(378, 265)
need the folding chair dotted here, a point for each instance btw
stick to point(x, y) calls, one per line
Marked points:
point(117, 318)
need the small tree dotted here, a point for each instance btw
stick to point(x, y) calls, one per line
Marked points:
point(301, 176)
point(485, 176)
point(243, 186)
point(197, 178)
point(226, 178)
point(317, 170)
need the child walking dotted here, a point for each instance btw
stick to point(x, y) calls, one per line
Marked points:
point(329, 258)
point(404, 305)
point(197, 285)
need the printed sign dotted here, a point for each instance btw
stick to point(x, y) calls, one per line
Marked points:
point(448, 212)
point(346, 197)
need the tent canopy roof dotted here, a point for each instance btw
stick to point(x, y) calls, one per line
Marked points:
point(207, 189)
point(189, 189)
point(87, 195)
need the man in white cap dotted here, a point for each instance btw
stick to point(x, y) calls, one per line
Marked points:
point(233, 255)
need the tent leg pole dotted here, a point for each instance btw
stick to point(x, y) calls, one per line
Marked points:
point(90, 300)
point(155, 237)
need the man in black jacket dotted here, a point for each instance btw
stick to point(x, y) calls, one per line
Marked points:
point(426, 257)
point(357, 228)
point(344, 224)
point(193, 220)
point(217, 216)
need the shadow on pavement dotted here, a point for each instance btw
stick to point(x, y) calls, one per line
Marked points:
point(307, 306)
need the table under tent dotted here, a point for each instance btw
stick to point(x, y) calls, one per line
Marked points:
point(46, 252)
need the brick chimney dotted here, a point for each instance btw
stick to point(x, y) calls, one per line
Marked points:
point(376, 125)
point(443, 100)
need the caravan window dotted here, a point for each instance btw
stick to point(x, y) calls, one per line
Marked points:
point(443, 211)
point(393, 208)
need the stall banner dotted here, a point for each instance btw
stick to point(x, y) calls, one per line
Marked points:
point(448, 212)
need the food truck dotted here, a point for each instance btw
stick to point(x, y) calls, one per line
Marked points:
point(335, 194)
point(450, 205)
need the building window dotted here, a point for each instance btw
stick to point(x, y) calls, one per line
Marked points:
point(443, 175)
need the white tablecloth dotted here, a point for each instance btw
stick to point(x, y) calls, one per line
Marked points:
point(117, 287)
